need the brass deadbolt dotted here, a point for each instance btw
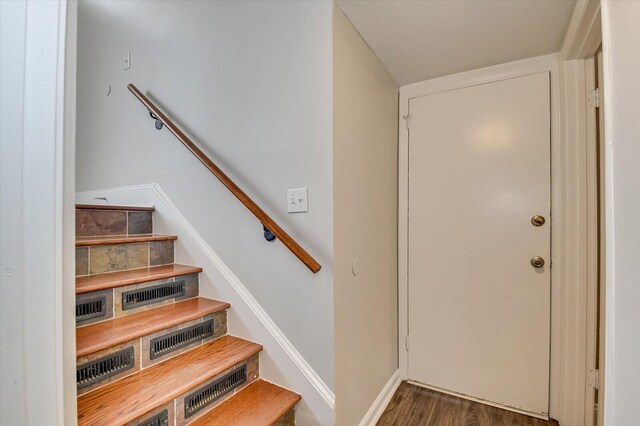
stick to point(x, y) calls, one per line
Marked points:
point(538, 220)
point(537, 262)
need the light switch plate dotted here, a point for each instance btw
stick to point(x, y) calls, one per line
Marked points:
point(297, 200)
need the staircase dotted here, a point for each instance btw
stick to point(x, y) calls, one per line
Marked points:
point(149, 350)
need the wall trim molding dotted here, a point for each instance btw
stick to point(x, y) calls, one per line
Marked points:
point(326, 394)
point(382, 400)
point(313, 377)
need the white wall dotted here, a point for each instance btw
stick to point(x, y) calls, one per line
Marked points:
point(621, 34)
point(251, 83)
point(365, 178)
point(37, 324)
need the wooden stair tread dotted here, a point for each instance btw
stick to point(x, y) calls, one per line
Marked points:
point(259, 404)
point(102, 240)
point(97, 282)
point(110, 207)
point(105, 334)
point(126, 399)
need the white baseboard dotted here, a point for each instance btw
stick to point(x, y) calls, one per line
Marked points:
point(380, 404)
point(280, 361)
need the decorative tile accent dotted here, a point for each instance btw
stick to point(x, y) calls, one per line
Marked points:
point(118, 257)
point(253, 368)
point(99, 354)
point(108, 294)
point(168, 406)
point(100, 222)
point(140, 223)
point(161, 252)
point(82, 261)
point(219, 329)
point(191, 290)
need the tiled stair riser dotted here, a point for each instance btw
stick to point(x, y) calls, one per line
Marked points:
point(253, 372)
point(106, 295)
point(190, 291)
point(101, 259)
point(90, 223)
point(170, 407)
point(114, 297)
point(219, 329)
point(96, 355)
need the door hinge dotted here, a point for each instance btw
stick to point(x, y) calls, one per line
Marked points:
point(594, 379)
point(593, 98)
point(407, 119)
point(406, 342)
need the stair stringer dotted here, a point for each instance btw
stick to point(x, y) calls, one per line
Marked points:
point(280, 361)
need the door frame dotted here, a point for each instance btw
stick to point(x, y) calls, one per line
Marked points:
point(570, 304)
point(582, 41)
point(547, 63)
point(37, 217)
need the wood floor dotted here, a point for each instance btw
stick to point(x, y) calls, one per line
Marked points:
point(415, 406)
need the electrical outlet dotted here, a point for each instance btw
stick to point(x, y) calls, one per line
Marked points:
point(297, 200)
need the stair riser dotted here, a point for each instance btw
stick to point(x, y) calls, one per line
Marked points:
point(219, 329)
point(288, 419)
point(253, 368)
point(170, 415)
point(106, 299)
point(191, 290)
point(115, 302)
point(135, 344)
point(253, 371)
point(141, 347)
point(91, 223)
point(118, 257)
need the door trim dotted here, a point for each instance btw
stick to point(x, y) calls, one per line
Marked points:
point(562, 246)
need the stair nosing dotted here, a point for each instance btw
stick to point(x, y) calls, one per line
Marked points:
point(136, 280)
point(105, 240)
point(115, 207)
point(144, 406)
point(158, 325)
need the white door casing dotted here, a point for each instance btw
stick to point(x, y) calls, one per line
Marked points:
point(479, 313)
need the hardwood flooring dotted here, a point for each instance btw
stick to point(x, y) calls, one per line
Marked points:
point(90, 283)
point(416, 406)
point(263, 404)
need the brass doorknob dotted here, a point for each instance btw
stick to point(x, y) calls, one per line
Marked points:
point(538, 220)
point(537, 262)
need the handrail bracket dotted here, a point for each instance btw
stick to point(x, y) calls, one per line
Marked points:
point(159, 123)
point(268, 235)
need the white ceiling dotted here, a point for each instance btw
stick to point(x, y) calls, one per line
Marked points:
point(418, 40)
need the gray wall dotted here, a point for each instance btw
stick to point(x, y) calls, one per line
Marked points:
point(251, 82)
point(365, 178)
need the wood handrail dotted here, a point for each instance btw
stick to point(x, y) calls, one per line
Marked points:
point(264, 218)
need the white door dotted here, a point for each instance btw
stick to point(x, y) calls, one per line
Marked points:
point(479, 312)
